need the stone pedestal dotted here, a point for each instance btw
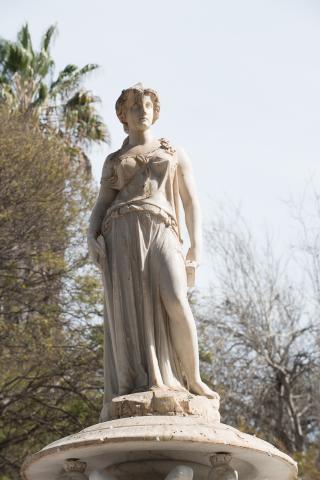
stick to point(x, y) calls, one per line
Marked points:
point(148, 447)
point(162, 402)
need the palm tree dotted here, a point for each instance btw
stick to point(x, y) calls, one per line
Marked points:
point(59, 104)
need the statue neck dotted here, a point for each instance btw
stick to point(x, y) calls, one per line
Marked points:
point(140, 138)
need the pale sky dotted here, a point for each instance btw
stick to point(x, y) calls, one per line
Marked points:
point(239, 84)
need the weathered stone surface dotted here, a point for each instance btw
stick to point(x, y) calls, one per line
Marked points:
point(163, 438)
point(134, 237)
point(158, 470)
point(73, 469)
point(161, 402)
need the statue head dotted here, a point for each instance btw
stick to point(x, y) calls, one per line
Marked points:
point(138, 107)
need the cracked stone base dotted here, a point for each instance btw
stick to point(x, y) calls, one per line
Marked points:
point(161, 402)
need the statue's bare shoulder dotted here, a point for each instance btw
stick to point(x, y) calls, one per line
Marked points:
point(108, 170)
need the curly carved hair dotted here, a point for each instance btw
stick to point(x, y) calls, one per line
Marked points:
point(138, 91)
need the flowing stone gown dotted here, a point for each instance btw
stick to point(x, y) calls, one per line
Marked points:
point(144, 254)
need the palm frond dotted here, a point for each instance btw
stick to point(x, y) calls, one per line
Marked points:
point(4, 80)
point(82, 118)
point(60, 106)
point(88, 68)
point(95, 129)
point(64, 80)
point(48, 37)
point(70, 79)
point(81, 98)
point(24, 38)
point(18, 58)
point(42, 95)
point(43, 63)
point(3, 52)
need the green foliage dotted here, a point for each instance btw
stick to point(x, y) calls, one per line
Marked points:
point(308, 463)
point(51, 344)
point(60, 105)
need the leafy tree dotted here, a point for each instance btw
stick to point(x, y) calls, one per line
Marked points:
point(51, 343)
point(28, 84)
point(51, 360)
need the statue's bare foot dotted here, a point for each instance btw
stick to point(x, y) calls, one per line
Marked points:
point(200, 388)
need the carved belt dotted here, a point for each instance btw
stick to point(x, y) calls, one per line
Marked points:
point(116, 212)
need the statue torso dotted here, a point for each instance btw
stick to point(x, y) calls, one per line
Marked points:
point(149, 178)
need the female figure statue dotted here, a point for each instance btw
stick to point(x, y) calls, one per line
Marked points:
point(150, 333)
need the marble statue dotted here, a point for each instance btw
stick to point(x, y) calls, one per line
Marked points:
point(134, 237)
point(159, 420)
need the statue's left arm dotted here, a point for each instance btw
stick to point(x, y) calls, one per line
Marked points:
point(191, 206)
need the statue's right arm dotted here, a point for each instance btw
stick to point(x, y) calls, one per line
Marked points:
point(104, 201)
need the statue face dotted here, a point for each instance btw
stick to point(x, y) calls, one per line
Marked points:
point(139, 112)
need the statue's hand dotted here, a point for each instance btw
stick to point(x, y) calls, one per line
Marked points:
point(97, 249)
point(192, 261)
point(193, 256)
